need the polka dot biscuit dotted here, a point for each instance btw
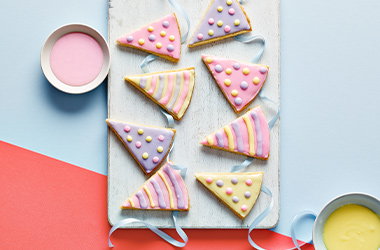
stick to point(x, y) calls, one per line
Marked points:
point(239, 191)
point(239, 82)
point(223, 18)
point(172, 90)
point(247, 135)
point(149, 146)
point(165, 190)
point(161, 38)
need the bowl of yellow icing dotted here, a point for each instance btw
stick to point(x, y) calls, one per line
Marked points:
point(348, 222)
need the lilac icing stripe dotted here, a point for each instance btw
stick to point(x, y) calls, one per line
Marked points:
point(157, 188)
point(219, 139)
point(143, 82)
point(143, 203)
point(177, 188)
point(239, 138)
point(259, 135)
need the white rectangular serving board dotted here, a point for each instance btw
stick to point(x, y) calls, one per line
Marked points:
point(207, 112)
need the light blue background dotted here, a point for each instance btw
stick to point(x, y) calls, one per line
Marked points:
point(330, 96)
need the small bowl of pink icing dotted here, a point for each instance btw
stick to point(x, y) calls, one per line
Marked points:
point(75, 58)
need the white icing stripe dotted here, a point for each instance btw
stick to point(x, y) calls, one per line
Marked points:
point(259, 135)
point(160, 87)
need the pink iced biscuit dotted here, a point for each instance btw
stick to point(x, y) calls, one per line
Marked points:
point(248, 135)
point(161, 38)
point(240, 82)
point(76, 59)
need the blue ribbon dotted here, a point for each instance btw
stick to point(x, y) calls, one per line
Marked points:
point(249, 38)
point(150, 58)
point(243, 165)
point(169, 118)
point(274, 119)
point(155, 230)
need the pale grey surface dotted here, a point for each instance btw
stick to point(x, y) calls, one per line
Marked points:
point(207, 112)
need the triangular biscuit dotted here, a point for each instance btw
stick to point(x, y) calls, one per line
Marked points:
point(239, 82)
point(161, 38)
point(149, 146)
point(223, 18)
point(239, 191)
point(247, 135)
point(165, 190)
point(172, 90)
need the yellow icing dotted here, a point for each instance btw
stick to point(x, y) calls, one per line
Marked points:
point(158, 45)
point(131, 202)
point(251, 138)
point(173, 91)
point(168, 188)
point(163, 33)
point(237, 22)
point(227, 82)
point(145, 155)
point(147, 86)
point(210, 140)
point(149, 196)
point(211, 32)
point(189, 93)
point(238, 190)
point(231, 144)
point(352, 227)
point(166, 79)
point(157, 87)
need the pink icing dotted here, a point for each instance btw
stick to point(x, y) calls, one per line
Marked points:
point(164, 191)
point(152, 85)
point(76, 59)
point(184, 92)
point(169, 48)
point(169, 91)
point(236, 78)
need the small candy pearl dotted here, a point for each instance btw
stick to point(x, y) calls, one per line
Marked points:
point(161, 138)
point(127, 129)
point(219, 183)
point(209, 180)
point(155, 159)
point(210, 33)
point(236, 66)
point(218, 68)
point(235, 199)
point(228, 71)
point(200, 36)
point(229, 2)
point(219, 23)
point(231, 11)
point(211, 21)
point(148, 139)
point(229, 191)
point(247, 194)
point(138, 144)
point(145, 155)
point(170, 48)
point(220, 8)
point(165, 24)
point(163, 33)
point(238, 101)
point(256, 80)
point(227, 28)
point(234, 92)
point(130, 39)
point(244, 208)
point(244, 85)
point(129, 138)
point(140, 131)
point(141, 41)
point(209, 60)
point(237, 22)
point(158, 45)
point(263, 70)
point(160, 149)
point(248, 182)
point(172, 38)
point(246, 71)
point(227, 82)
point(150, 29)
point(234, 181)
point(152, 37)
